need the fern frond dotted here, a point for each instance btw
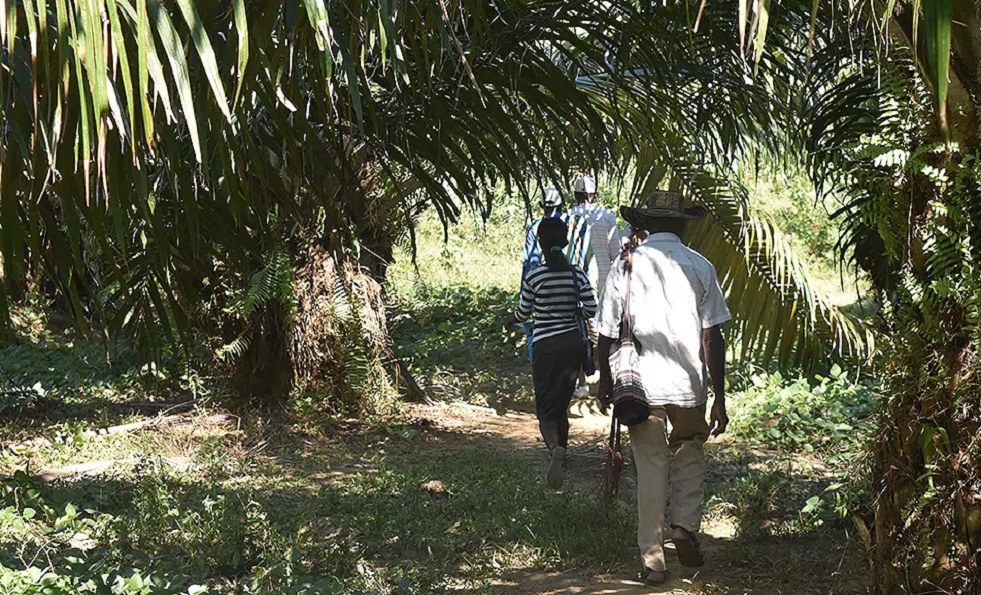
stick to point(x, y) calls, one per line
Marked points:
point(273, 282)
point(234, 350)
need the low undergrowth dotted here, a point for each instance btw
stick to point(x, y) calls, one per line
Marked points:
point(832, 413)
point(278, 524)
point(454, 341)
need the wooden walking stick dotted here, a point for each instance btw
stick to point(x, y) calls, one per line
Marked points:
point(613, 466)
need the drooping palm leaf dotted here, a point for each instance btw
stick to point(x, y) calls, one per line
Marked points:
point(346, 114)
point(173, 184)
point(778, 315)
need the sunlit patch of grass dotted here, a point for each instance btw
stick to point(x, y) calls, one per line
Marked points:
point(475, 255)
point(445, 313)
point(265, 525)
point(791, 203)
point(762, 494)
point(494, 507)
point(457, 345)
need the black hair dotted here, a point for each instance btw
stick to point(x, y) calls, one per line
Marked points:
point(555, 259)
point(581, 197)
point(666, 224)
point(553, 237)
point(627, 251)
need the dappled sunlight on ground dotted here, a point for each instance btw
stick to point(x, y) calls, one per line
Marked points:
point(444, 497)
point(433, 493)
point(743, 556)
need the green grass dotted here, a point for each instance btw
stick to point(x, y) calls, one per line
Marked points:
point(76, 387)
point(454, 341)
point(274, 524)
point(400, 504)
point(397, 509)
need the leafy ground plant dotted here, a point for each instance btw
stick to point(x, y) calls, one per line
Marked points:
point(831, 413)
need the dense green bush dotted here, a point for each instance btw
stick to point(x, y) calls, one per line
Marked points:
point(823, 412)
point(171, 542)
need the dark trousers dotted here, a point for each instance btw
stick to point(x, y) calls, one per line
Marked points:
point(555, 364)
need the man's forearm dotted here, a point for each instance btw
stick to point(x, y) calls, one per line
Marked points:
point(714, 347)
point(603, 354)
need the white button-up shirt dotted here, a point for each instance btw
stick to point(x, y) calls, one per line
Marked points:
point(605, 239)
point(674, 294)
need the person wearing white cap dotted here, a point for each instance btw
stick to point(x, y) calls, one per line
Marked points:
point(579, 250)
point(605, 235)
point(604, 240)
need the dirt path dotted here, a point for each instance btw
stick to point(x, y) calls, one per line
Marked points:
point(818, 562)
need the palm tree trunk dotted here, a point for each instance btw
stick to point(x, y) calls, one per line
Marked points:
point(926, 467)
point(264, 373)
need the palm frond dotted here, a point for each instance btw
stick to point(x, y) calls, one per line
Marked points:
point(778, 314)
point(177, 135)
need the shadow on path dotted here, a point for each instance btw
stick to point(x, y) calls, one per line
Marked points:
point(453, 499)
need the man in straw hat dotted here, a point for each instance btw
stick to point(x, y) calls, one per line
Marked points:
point(678, 310)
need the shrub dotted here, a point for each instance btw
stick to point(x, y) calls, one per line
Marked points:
point(823, 412)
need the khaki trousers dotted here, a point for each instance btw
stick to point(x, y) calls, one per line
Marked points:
point(653, 447)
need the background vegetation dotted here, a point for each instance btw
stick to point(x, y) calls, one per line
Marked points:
point(216, 191)
point(322, 505)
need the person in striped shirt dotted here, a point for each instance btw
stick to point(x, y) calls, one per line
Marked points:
point(578, 250)
point(555, 295)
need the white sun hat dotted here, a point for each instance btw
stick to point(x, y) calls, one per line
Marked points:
point(585, 184)
point(551, 197)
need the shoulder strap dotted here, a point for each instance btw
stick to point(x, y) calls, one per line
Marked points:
point(626, 326)
point(580, 315)
point(578, 288)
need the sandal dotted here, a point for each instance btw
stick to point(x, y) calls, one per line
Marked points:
point(654, 578)
point(687, 547)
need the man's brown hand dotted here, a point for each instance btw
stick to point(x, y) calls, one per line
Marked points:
point(720, 417)
point(604, 392)
point(714, 348)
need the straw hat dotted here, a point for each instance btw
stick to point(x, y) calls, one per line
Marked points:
point(662, 204)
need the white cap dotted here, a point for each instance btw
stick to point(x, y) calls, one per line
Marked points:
point(551, 197)
point(585, 184)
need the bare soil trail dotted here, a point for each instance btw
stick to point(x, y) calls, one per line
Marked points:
point(740, 559)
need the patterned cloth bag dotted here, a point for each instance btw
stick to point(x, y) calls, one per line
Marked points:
point(629, 398)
